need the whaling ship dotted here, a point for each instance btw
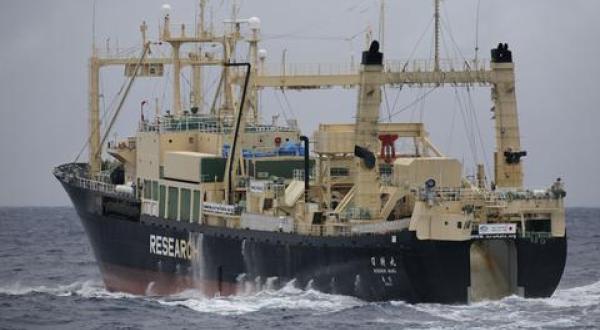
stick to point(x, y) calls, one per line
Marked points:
point(211, 198)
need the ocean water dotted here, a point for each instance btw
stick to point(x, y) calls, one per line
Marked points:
point(48, 279)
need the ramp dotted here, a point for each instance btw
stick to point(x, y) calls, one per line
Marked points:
point(395, 194)
point(293, 192)
point(346, 200)
point(493, 270)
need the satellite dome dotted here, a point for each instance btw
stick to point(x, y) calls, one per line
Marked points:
point(254, 23)
point(262, 54)
point(166, 9)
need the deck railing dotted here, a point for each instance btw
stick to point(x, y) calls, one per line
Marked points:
point(414, 65)
point(76, 175)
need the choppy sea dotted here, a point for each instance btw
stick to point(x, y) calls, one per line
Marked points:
point(48, 279)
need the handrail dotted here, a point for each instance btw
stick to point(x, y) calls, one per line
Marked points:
point(201, 124)
point(414, 65)
point(74, 174)
point(490, 197)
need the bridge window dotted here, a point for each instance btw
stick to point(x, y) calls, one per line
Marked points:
point(173, 203)
point(339, 171)
point(147, 189)
point(155, 190)
point(196, 206)
point(184, 205)
point(162, 201)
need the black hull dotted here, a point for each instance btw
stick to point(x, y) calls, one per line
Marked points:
point(227, 261)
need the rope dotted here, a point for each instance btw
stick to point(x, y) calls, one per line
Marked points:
point(283, 112)
point(477, 30)
point(475, 117)
point(412, 53)
point(415, 101)
point(468, 132)
point(287, 102)
point(452, 124)
point(387, 105)
point(104, 116)
point(130, 83)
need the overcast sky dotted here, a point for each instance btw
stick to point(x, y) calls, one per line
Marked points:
point(556, 47)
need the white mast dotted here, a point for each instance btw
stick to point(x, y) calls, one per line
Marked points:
point(382, 25)
point(197, 97)
point(437, 35)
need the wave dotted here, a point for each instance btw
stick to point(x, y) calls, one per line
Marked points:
point(288, 297)
point(581, 296)
point(564, 309)
point(86, 289)
point(510, 311)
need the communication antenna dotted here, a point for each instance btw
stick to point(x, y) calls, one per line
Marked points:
point(437, 35)
point(94, 28)
point(382, 25)
point(201, 25)
point(477, 31)
point(234, 11)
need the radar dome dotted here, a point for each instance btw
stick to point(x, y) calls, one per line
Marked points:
point(254, 23)
point(166, 9)
point(262, 54)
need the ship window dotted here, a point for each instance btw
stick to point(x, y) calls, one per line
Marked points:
point(173, 203)
point(161, 201)
point(385, 169)
point(155, 190)
point(184, 205)
point(196, 206)
point(268, 204)
point(540, 225)
point(339, 171)
point(147, 189)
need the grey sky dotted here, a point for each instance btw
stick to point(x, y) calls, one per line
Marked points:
point(45, 45)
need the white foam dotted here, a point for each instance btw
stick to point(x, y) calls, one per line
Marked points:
point(516, 311)
point(510, 311)
point(87, 289)
point(582, 296)
point(288, 297)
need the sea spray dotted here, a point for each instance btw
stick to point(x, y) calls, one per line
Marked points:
point(198, 260)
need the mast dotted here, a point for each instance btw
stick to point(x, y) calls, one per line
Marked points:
point(201, 25)
point(175, 46)
point(233, 158)
point(437, 35)
point(382, 24)
point(254, 24)
point(508, 154)
point(197, 97)
point(95, 160)
point(366, 180)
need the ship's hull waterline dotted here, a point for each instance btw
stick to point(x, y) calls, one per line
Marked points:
point(154, 256)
